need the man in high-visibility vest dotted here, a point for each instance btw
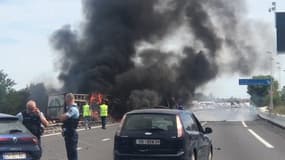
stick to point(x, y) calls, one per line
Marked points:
point(104, 113)
point(86, 115)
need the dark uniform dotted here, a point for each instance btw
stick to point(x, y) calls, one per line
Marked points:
point(69, 132)
point(33, 123)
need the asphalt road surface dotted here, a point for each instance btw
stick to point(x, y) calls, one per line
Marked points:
point(94, 144)
point(237, 135)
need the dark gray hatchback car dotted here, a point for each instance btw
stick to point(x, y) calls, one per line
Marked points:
point(162, 134)
point(16, 142)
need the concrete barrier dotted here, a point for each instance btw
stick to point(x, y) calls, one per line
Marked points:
point(276, 119)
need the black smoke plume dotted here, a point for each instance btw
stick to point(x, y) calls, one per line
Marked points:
point(120, 51)
point(39, 92)
point(143, 99)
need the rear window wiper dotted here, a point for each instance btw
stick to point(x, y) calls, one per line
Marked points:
point(15, 131)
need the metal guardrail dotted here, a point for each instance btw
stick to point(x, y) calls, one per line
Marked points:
point(55, 127)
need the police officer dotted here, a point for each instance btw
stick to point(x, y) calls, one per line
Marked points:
point(34, 120)
point(104, 113)
point(70, 121)
point(86, 115)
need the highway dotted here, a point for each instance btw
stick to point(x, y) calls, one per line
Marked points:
point(94, 144)
point(237, 135)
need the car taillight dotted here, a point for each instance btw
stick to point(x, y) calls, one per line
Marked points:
point(179, 127)
point(4, 139)
point(120, 126)
point(33, 140)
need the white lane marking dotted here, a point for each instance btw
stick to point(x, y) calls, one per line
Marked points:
point(268, 145)
point(96, 127)
point(79, 148)
point(106, 139)
point(203, 124)
point(83, 129)
point(244, 124)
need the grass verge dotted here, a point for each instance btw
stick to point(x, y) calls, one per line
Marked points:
point(279, 109)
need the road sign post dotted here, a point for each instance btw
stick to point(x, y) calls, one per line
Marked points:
point(260, 82)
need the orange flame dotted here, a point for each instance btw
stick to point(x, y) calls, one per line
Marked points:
point(96, 98)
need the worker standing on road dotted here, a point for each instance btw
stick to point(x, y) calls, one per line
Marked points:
point(34, 120)
point(70, 121)
point(86, 115)
point(104, 113)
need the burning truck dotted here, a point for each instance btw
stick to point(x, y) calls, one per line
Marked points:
point(56, 104)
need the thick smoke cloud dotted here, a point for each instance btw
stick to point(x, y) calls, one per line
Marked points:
point(143, 99)
point(39, 92)
point(111, 53)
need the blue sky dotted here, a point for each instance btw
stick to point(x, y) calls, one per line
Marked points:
point(25, 28)
point(26, 25)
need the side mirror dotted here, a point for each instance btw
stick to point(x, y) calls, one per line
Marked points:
point(208, 130)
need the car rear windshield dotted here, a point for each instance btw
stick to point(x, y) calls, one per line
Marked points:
point(12, 127)
point(150, 122)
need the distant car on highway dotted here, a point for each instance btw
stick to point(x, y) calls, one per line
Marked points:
point(16, 142)
point(162, 134)
point(236, 106)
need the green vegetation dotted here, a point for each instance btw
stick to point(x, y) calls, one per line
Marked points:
point(260, 95)
point(11, 101)
point(279, 109)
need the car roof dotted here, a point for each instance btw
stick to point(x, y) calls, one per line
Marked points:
point(4, 116)
point(158, 111)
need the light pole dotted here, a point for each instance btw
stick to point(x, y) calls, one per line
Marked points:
point(272, 9)
point(271, 105)
point(279, 70)
point(283, 84)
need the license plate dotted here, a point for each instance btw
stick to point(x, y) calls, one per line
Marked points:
point(14, 155)
point(148, 141)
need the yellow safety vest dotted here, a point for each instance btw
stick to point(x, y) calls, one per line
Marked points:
point(103, 110)
point(86, 110)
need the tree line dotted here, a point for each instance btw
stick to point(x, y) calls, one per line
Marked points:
point(13, 101)
point(260, 94)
